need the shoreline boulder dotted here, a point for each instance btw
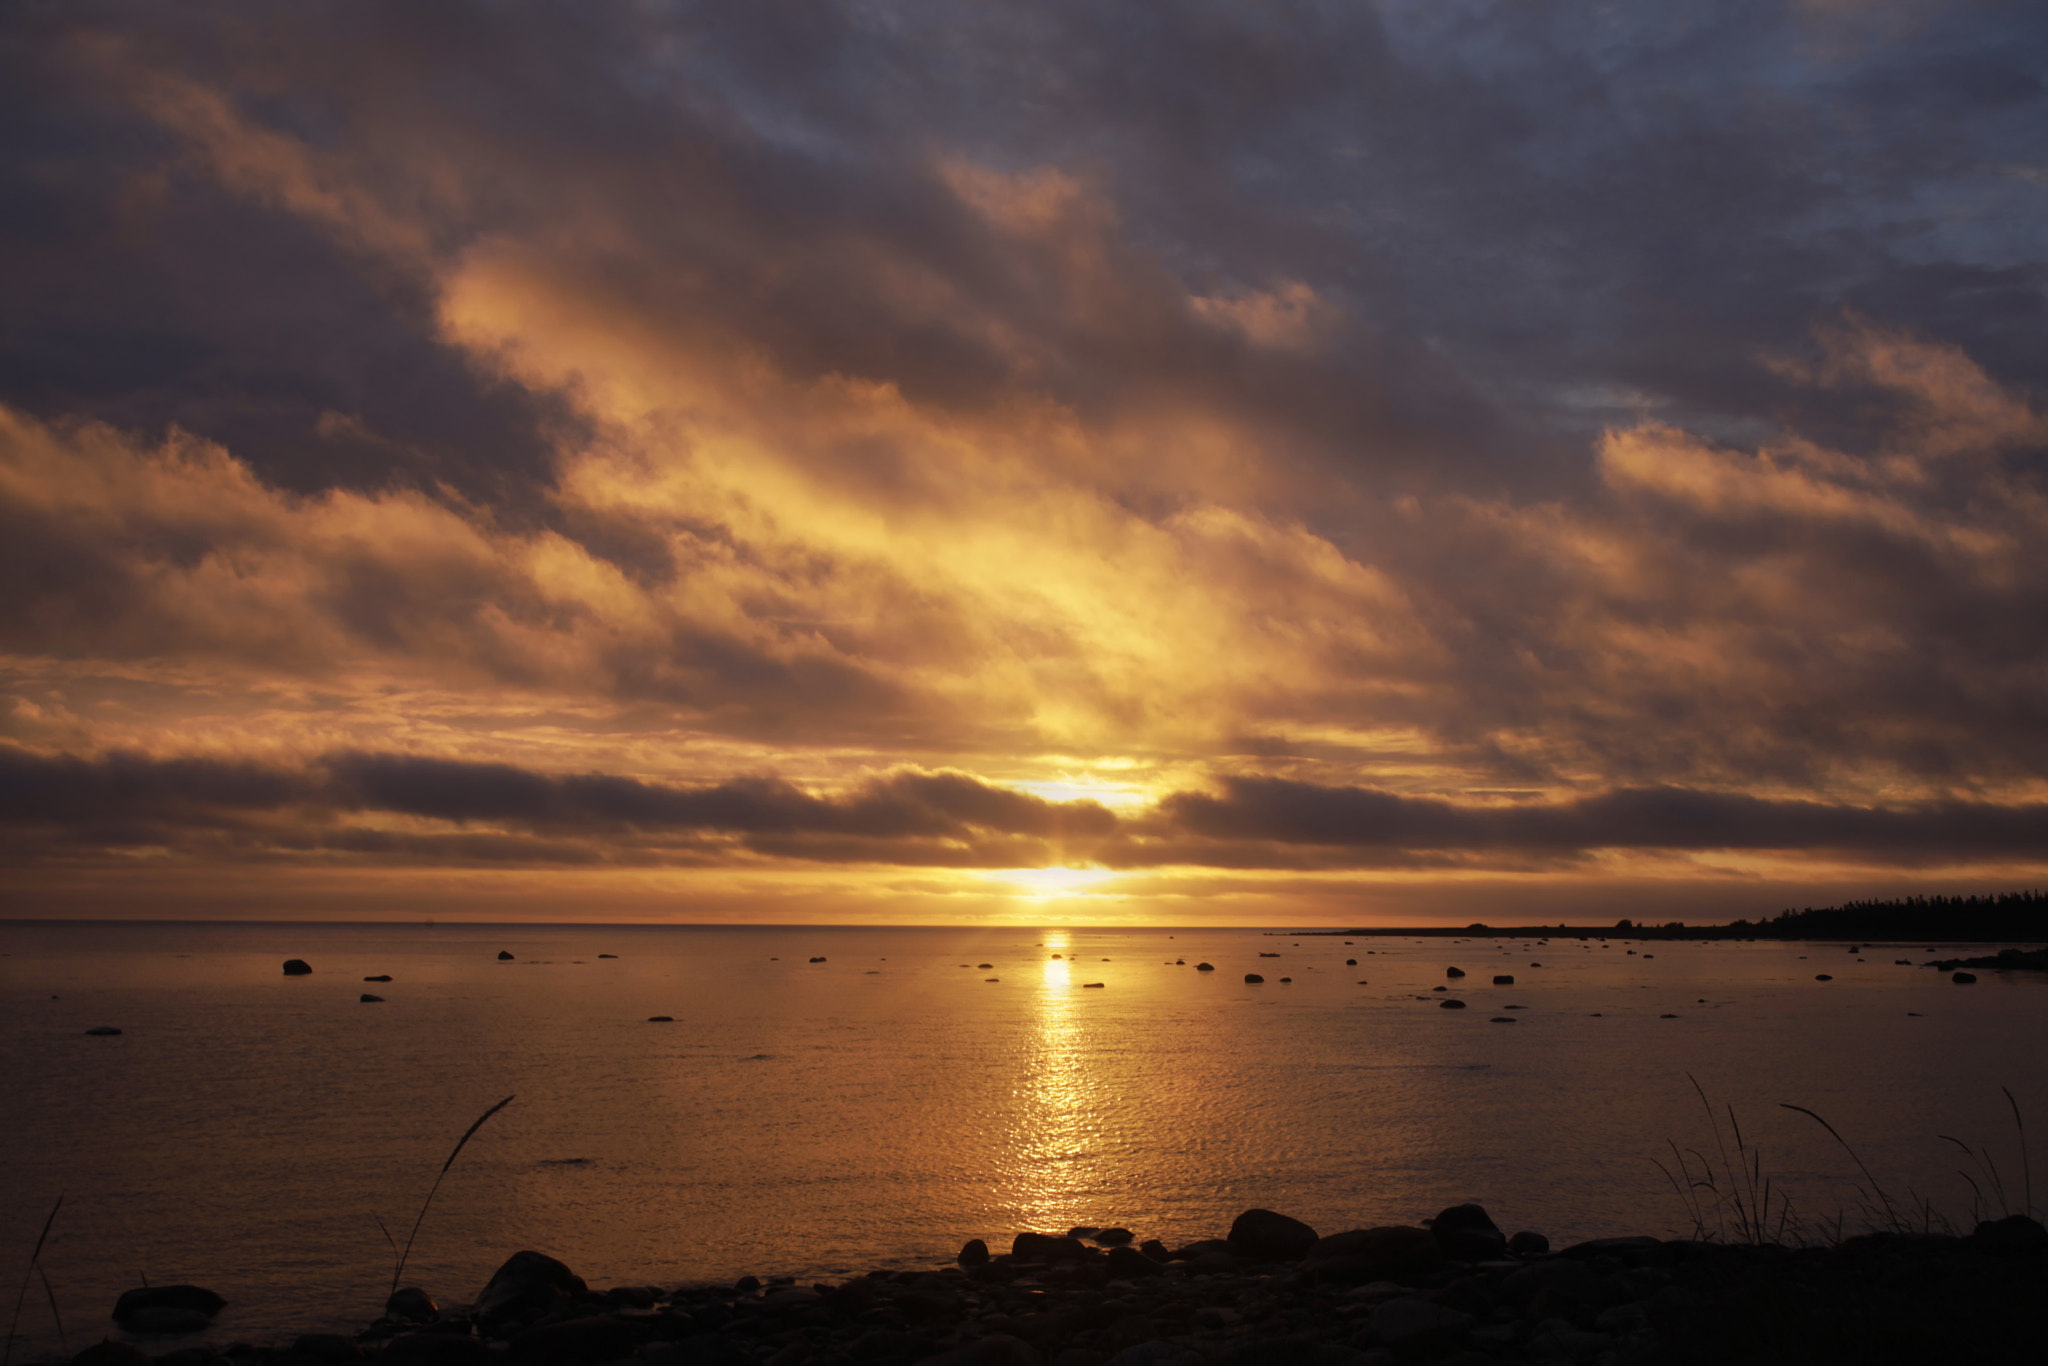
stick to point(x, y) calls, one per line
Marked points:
point(526, 1284)
point(167, 1309)
point(1263, 1236)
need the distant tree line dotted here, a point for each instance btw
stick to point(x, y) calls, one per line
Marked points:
point(2004, 916)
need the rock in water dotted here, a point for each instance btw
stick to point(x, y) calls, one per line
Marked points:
point(1503, 979)
point(974, 1254)
point(104, 1031)
point(1205, 967)
point(1526, 1244)
point(1451, 1003)
point(1965, 978)
point(504, 957)
point(1253, 977)
point(296, 967)
point(366, 997)
point(1261, 1235)
point(1454, 972)
point(412, 1304)
point(382, 977)
point(527, 1283)
point(167, 1309)
point(1468, 1234)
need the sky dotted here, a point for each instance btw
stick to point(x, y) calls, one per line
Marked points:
point(1181, 463)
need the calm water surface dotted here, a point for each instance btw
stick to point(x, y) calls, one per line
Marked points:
point(247, 1131)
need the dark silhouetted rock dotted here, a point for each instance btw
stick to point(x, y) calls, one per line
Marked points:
point(1253, 977)
point(167, 1309)
point(974, 1254)
point(1262, 1235)
point(1156, 1250)
point(1046, 1247)
point(661, 1019)
point(1086, 985)
point(325, 1348)
point(607, 955)
point(1373, 1254)
point(436, 1349)
point(111, 1354)
point(819, 959)
point(1823, 977)
point(1205, 967)
point(1453, 1003)
point(413, 1305)
point(986, 967)
point(1526, 1244)
point(1504, 979)
point(103, 1031)
point(1113, 1237)
point(382, 977)
point(366, 996)
point(1129, 1264)
point(997, 1349)
point(1454, 972)
point(504, 956)
point(2013, 1236)
point(1964, 977)
point(296, 967)
point(1467, 1233)
point(526, 1284)
point(1083, 1231)
point(1609, 1247)
point(584, 1339)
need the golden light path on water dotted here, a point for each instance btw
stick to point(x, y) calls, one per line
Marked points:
point(1051, 1160)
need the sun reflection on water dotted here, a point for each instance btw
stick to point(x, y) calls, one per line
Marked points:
point(1053, 1155)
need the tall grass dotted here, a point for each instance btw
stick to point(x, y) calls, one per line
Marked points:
point(1735, 1201)
point(398, 1271)
point(22, 1295)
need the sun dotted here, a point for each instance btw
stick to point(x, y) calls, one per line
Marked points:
point(1044, 884)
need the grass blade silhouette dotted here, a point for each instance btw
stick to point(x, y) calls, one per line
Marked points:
point(63, 1339)
point(28, 1276)
point(398, 1272)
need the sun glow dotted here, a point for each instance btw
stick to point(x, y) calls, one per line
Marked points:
point(1047, 883)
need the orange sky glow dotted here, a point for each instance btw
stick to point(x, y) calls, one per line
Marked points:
point(586, 474)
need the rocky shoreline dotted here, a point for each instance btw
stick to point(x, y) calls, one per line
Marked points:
point(1270, 1293)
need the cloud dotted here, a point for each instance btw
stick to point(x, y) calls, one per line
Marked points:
point(500, 424)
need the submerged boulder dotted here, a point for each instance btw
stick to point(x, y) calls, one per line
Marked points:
point(296, 967)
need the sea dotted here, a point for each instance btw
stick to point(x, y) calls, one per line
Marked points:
point(822, 1101)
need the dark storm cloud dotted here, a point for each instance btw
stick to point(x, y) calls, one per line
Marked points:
point(1515, 206)
point(507, 814)
point(1291, 813)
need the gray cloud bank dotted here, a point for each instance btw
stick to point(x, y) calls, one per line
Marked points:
point(56, 809)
